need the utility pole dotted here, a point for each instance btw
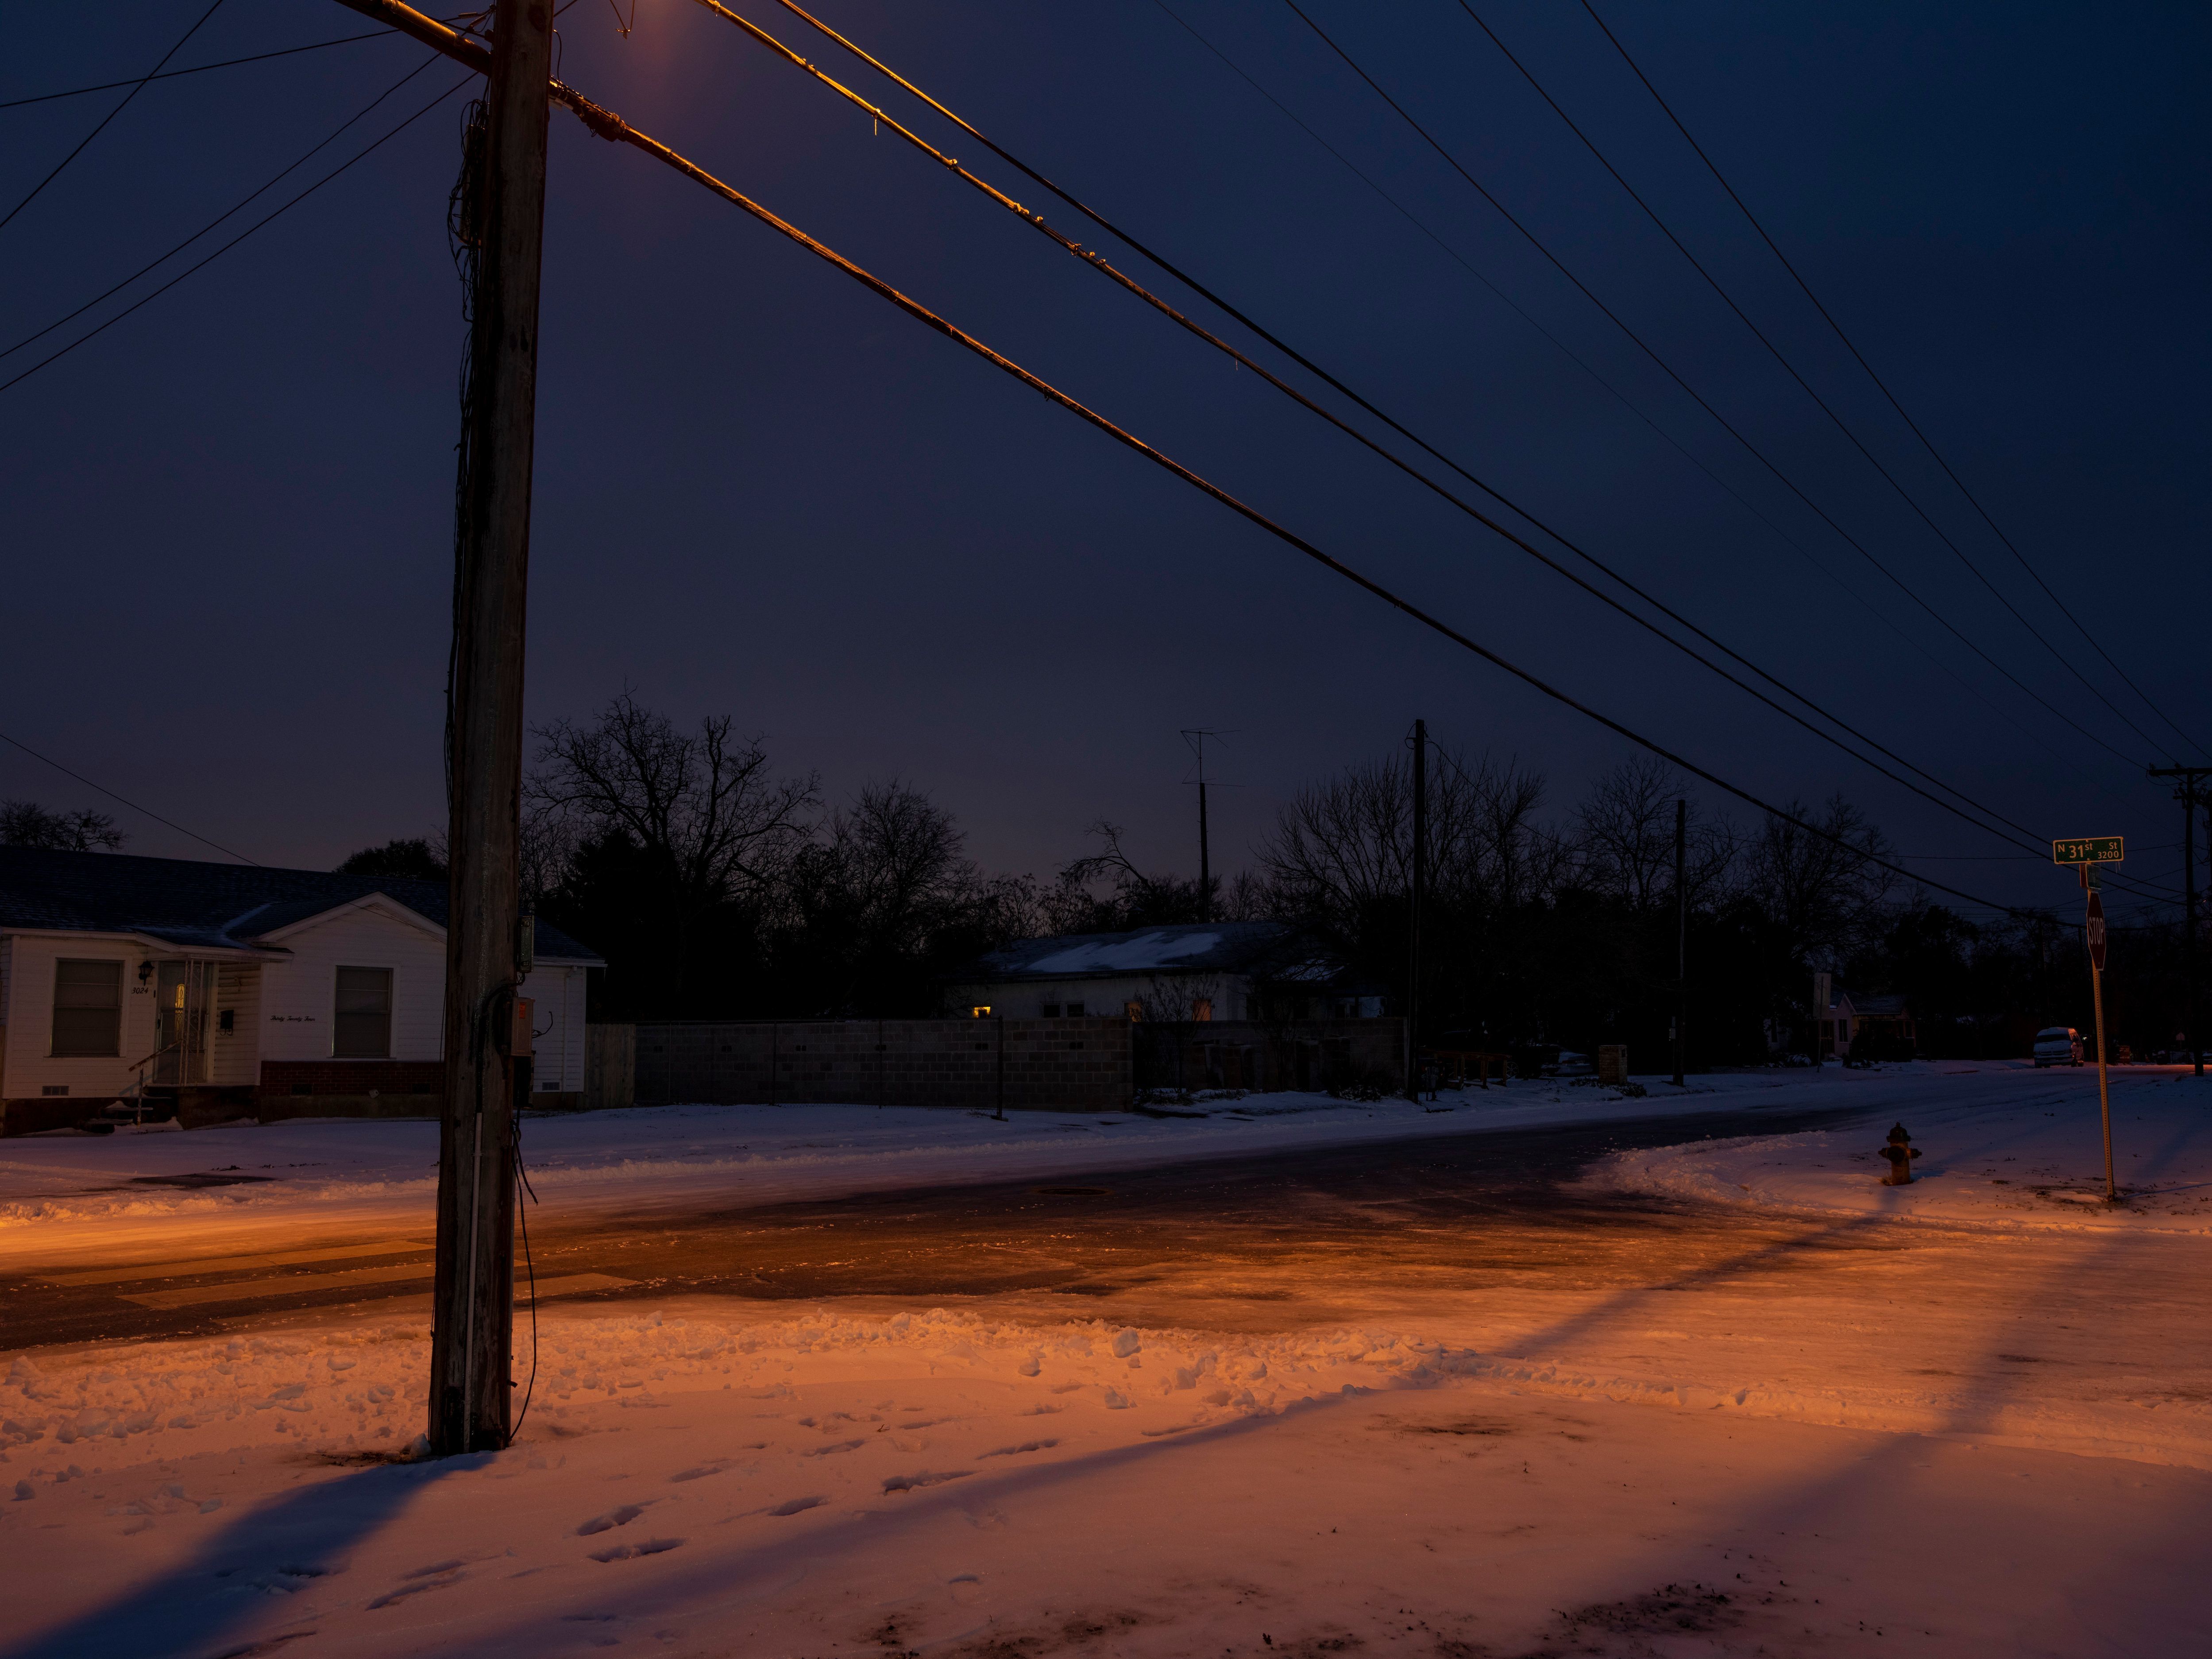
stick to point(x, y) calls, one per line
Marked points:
point(2193, 778)
point(1681, 934)
point(1196, 739)
point(1417, 896)
point(471, 1405)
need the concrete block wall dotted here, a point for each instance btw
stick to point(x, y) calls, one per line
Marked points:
point(1064, 1065)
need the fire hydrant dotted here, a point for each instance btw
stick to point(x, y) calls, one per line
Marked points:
point(1899, 1153)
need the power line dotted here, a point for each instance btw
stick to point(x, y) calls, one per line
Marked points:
point(136, 87)
point(609, 125)
point(201, 69)
point(1881, 384)
point(1856, 595)
point(1637, 340)
point(1790, 368)
point(147, 810)
point(605, 124)
point(876, 114)
point(142, 271)
point(273, 215)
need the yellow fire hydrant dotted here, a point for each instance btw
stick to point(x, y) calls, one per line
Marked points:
point(1899, 1153)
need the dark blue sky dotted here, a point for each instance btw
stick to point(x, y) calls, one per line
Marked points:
point(763, 491)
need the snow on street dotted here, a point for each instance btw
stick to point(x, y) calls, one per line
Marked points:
point(1713, 1426)
point(68, 1192)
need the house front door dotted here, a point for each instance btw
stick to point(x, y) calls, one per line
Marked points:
point(185, 991)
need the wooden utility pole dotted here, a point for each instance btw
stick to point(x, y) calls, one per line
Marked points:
point(1415, 896)
point(1681, 934)
point(471, 1405)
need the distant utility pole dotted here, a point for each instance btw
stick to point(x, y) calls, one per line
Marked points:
point(2189, 795)
point(471, 1402)
point(1417, 896)
point(1681, 934)
point(1196, 739)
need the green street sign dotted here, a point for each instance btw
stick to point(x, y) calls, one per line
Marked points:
point(2089, 849)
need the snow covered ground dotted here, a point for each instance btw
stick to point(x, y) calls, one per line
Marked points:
point(693, 1485)
point(2034, 1158)
point(1774, 1424)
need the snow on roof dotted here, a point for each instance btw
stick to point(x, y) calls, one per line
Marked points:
point(1203, 947)
point(1127, 954)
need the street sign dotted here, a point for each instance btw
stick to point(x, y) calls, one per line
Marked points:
point(2097, 930)
point(2089, 849)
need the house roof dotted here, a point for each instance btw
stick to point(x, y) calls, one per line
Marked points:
point(1880, 1007)
point(1266, 949)
point(208, 905)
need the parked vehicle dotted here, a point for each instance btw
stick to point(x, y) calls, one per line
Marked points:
point(2057, 1045)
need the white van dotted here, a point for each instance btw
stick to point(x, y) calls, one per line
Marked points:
point(2057, 1045)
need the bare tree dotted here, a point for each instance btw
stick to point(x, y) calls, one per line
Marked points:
point(708, 811)
point(1343, 847)
point(1625, 838)
point(1134, 899)
point(26, 823)
point(706, 815)
point(1822, 898)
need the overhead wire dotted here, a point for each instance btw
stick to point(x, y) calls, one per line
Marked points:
point(879, 115)
point(1855, 594)
point(147, 812)
point(876, 114)
point(273, 215)
point(1881, 384)
point(121, 104)
point(1757, 454)
point(1806, 386)
point(201, 69)
point(607, 125)
point(227, 213)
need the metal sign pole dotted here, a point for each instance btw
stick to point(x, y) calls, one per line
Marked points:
point(2085, 853)
point(2096, 933)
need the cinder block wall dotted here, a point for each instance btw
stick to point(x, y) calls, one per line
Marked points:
point(1050, 1065)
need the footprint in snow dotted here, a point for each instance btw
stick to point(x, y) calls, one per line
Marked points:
point(700, 1472)
point(914, 1482)
point(1016, 1451)
point(611, 1519)
point(631, 1551)
point(794, 1505)
point(837, 1446)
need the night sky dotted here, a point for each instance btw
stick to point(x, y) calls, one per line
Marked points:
point(761, 491)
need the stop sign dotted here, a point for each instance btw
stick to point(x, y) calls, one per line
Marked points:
point(2097, 930)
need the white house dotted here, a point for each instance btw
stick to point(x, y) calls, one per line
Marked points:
point(231, 990)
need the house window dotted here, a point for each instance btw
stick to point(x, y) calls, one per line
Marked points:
point(1075, 1011)
point(363, 1027)
point(88, 1010)
point(1202, 1008)
point(1052, 1010)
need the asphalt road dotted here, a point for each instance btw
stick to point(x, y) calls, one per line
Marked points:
point(1248, 1243)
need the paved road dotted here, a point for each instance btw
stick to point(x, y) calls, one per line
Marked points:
point(1236, 1241)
